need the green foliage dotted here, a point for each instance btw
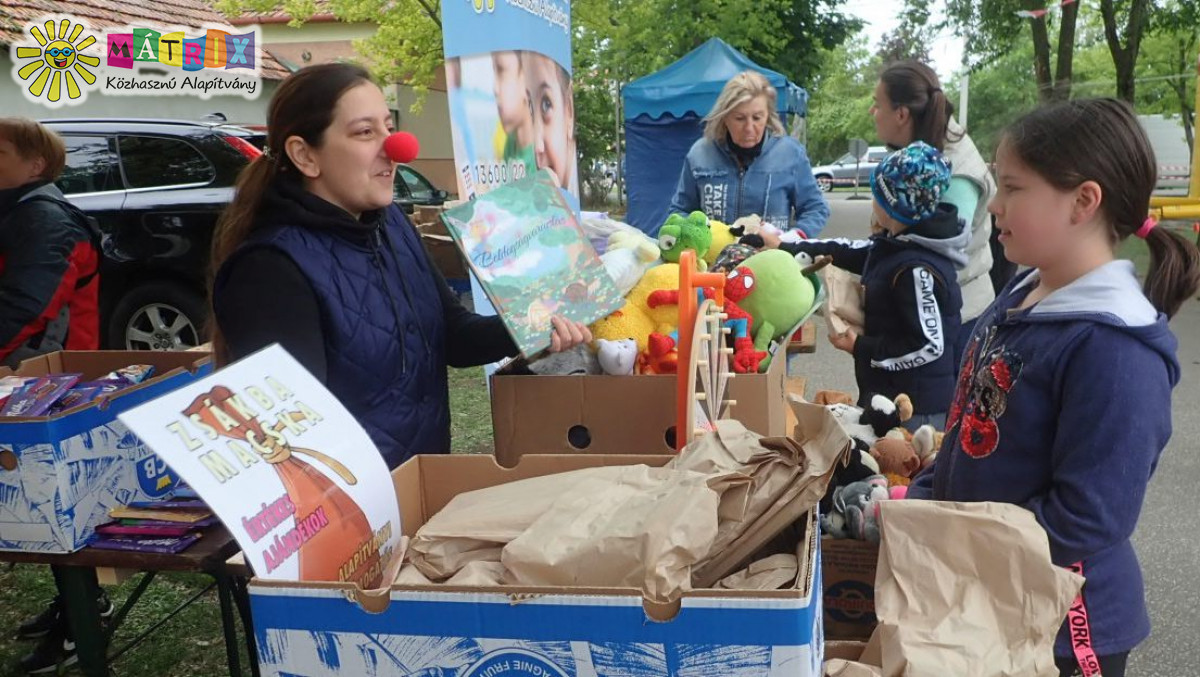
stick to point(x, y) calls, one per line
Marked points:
point(841, 99)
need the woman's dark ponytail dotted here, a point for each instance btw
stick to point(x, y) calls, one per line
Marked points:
point(913, 85)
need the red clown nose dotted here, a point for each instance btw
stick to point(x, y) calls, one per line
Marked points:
point(402, 147)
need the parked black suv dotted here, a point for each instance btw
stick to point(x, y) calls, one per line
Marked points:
point(157, 188)
point(410, 189)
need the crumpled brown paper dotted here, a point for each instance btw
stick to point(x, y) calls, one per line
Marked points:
point(771, 573)
point(479, 574)
point(643, 532)
point(410, 575)
point(476, 525)
point(790, 476)
point(844, 301)
point(966, 589)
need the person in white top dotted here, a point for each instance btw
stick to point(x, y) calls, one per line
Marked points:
point(911, 106)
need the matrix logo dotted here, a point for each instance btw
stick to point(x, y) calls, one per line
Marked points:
point(479, 5)
point(56, 61)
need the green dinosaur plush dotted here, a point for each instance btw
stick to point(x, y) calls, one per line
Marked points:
point(685, 232)
point(780, 296)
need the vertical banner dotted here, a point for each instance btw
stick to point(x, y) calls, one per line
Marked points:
point(512, 106)
point(508, 74)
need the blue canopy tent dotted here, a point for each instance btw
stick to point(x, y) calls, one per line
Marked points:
point(663, 118)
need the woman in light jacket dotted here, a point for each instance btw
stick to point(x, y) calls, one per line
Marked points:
point(746, 164)
point(911, 106)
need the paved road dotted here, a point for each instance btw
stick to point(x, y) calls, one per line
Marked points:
point(1168, 536)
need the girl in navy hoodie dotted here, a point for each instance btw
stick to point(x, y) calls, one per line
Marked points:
point(1063, 402)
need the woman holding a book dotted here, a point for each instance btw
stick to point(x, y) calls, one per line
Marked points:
point(313, 254)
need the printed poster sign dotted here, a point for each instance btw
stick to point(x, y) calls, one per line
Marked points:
point(508, 71)
point(285, 466)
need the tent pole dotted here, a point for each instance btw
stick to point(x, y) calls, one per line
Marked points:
point(617, 137)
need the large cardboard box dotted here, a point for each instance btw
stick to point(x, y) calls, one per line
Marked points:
point(848, 571)
point(60, 475)
point(616, 414)
point(316, 630)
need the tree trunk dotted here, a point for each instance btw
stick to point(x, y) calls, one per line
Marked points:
point(1180, 85)
point(1041, 59)
point(1125, 55)
point(1066, 53)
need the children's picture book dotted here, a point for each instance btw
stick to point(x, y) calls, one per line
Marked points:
point(291, 474)
point(144, 531)
point(167, 545)
point(175, 516)
point(36, 398)
point(531, 256)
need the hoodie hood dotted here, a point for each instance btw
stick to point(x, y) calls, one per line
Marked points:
point(287, 203)
point(942, 233)
point(1110, 295)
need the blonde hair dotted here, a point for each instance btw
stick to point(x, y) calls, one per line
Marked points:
point(34, 140)
point(741, 88)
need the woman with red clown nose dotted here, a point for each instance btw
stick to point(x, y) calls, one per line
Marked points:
point(314, 255)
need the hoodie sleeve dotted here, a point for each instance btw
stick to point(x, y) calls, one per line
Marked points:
point(687, 196)
point(847, 254)
point(922, 340)
point(812, 211)
point(922, 484)
point(1114, 421)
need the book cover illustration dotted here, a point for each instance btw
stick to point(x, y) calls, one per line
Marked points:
point(285, 466)
point(529, 253)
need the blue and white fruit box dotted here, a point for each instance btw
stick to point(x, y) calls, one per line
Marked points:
point(61, 474)
point(335, 629)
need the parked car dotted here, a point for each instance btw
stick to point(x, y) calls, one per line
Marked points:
point(845, 171)
point(410, 189)
point(157, 188)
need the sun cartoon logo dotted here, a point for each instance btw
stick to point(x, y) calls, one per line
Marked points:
point(57, 63)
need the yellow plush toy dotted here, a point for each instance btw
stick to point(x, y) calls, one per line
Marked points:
point(628, 322)
point(665, 318)
point(722, 237)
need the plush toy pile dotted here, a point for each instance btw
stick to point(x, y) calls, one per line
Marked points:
point(885, 460)
point(767, 295)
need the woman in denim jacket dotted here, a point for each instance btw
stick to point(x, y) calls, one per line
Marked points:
point(745, 164)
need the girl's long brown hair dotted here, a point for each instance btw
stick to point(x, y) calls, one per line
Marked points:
point(913, 85)
point(303, 106)
point(1101, 140)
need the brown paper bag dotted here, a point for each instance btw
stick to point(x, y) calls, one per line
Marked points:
point(410, 575)
point(759, 472)
point(771, 573)
point(475, 526)
point(844, 301)
point(806, 460)
point(967, 589)
point(481, 574)
point(643, 532)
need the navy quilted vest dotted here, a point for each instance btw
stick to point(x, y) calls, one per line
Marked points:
point(382, 317)
point(930, 386)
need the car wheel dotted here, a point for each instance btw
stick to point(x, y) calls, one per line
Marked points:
point(158, 316)
point(825, 183)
